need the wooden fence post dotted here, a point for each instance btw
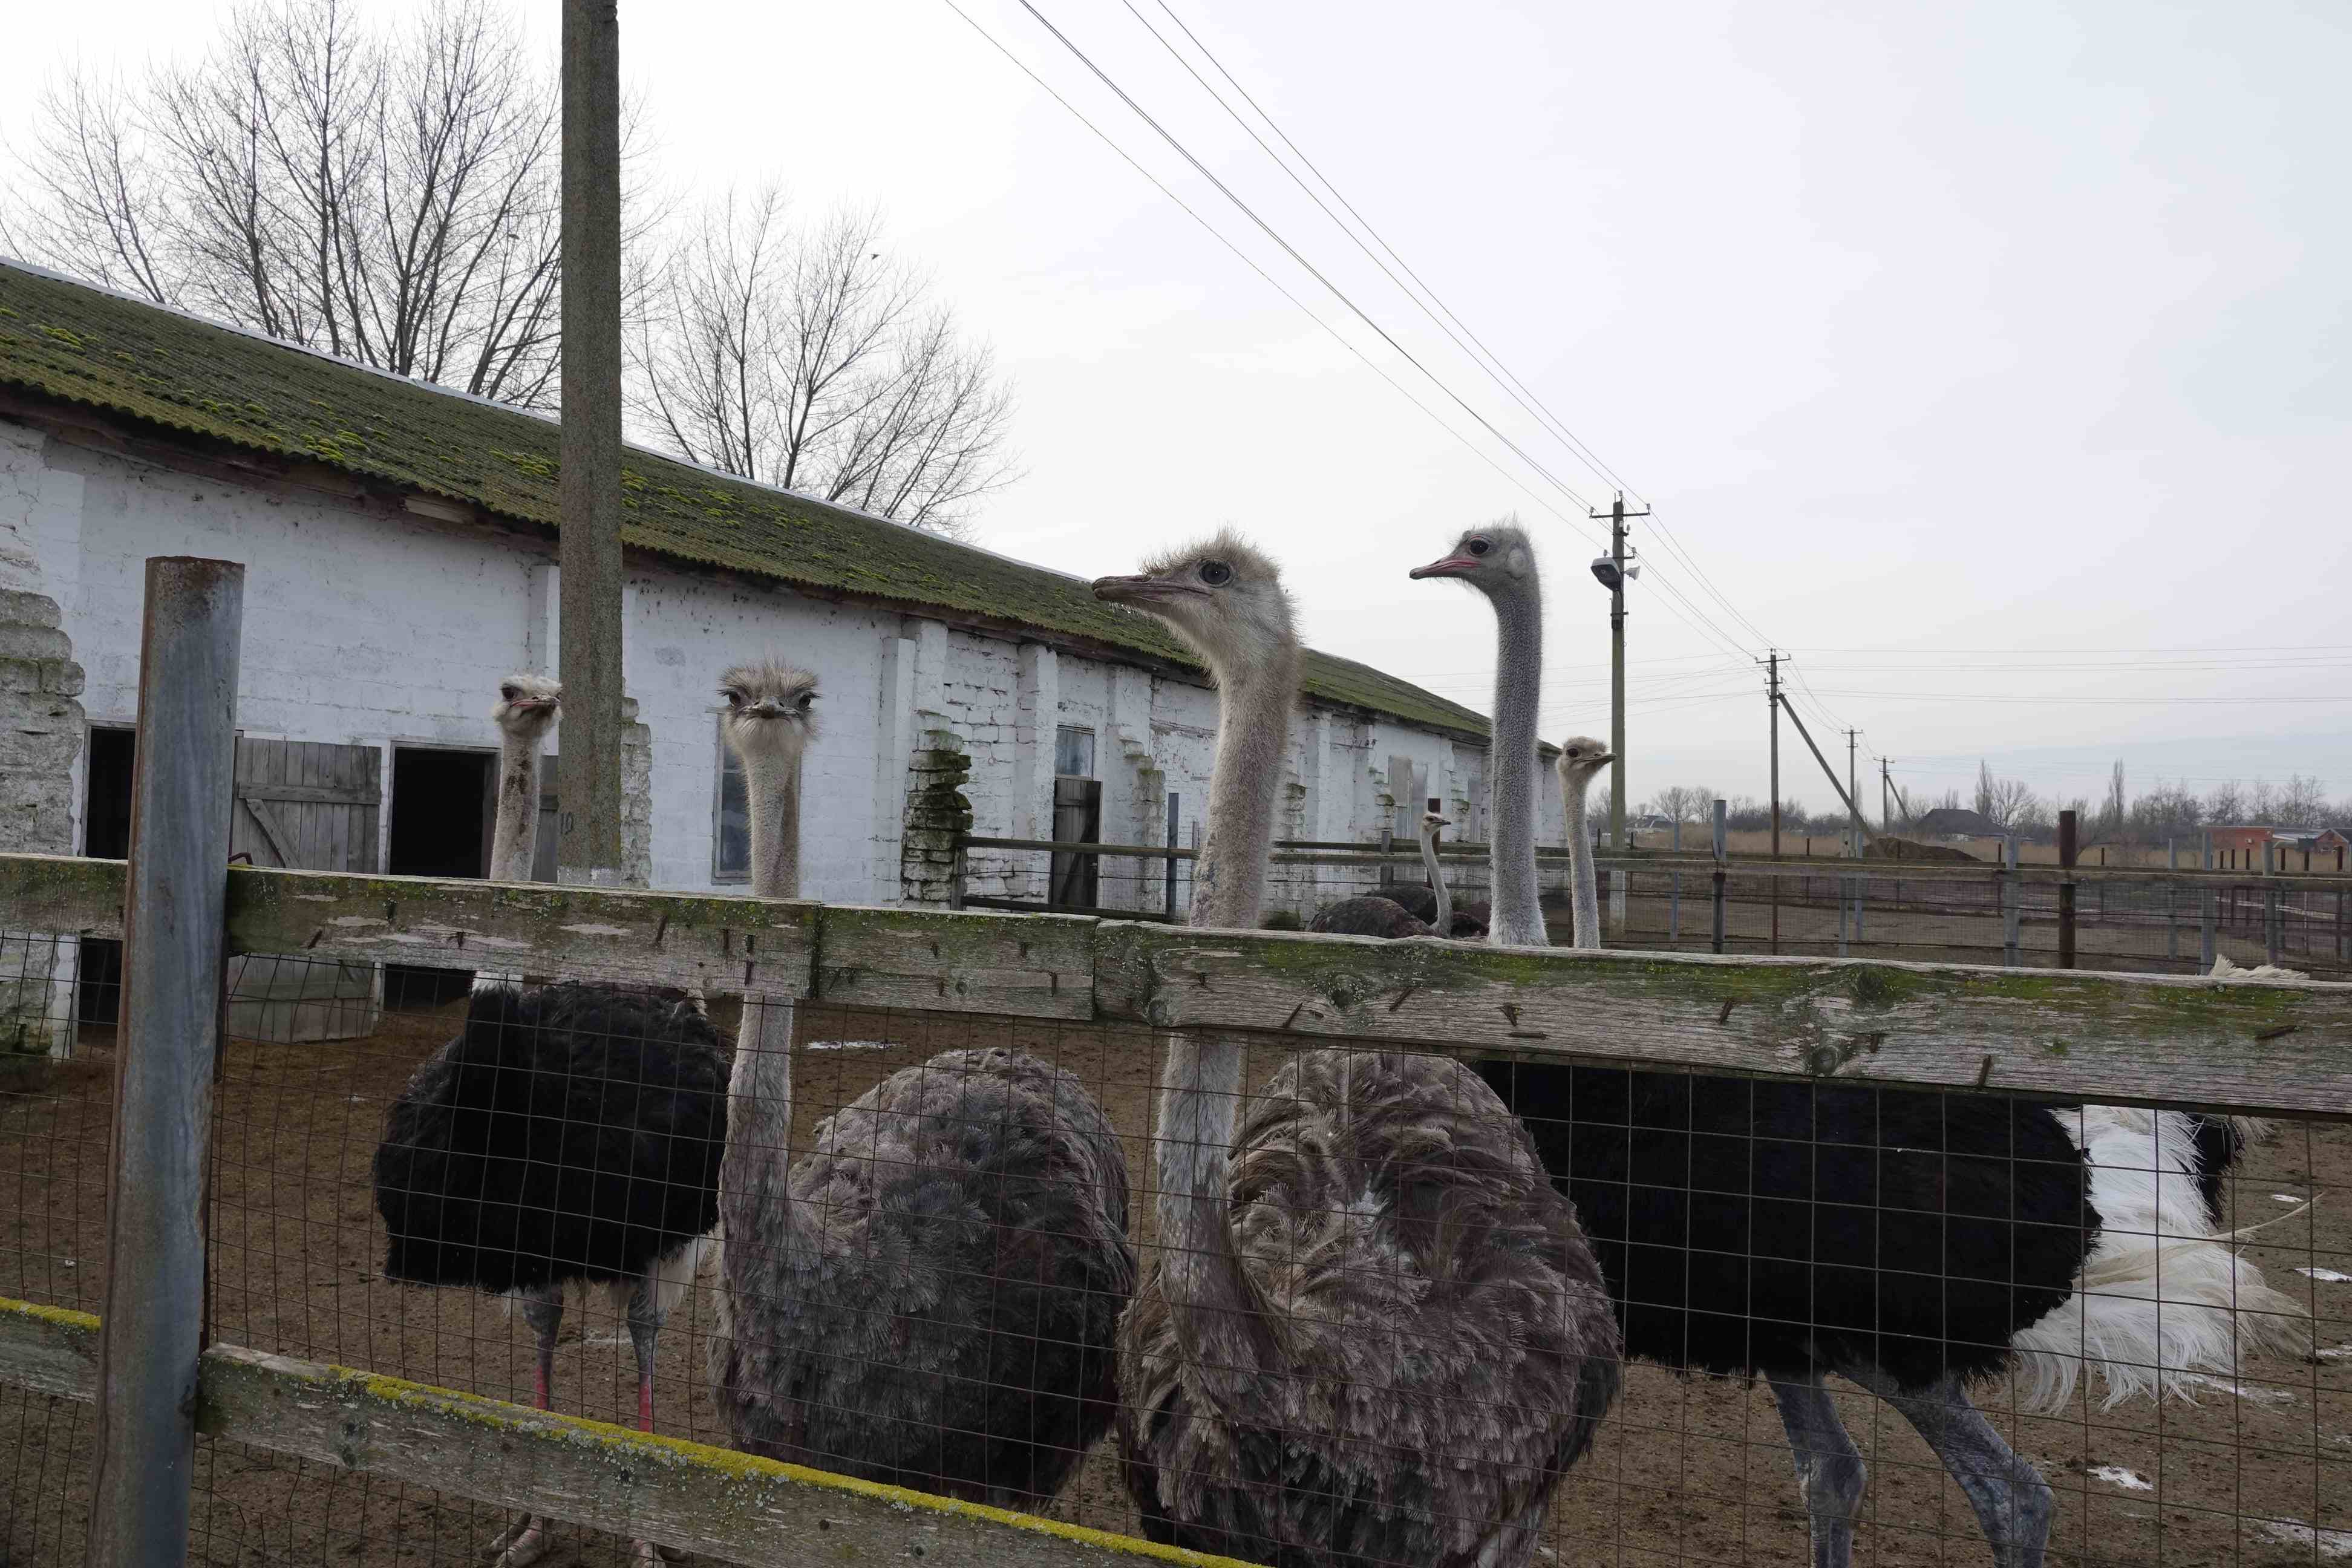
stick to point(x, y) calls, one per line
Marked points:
point(1675, 890)
point(1720, 840)
point(174, 947)
point(2207, 907)
point(2067, 854)
point(1168, 891)
point(2012, 897)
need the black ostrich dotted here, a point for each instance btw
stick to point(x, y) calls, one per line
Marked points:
point(568, 1138)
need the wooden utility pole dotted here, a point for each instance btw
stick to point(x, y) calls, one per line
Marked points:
point(588, 779)
point(1885, 796)
point(174, 947)
point(1618, 554)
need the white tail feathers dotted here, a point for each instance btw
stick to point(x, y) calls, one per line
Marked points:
point(673, 1275)
point(2164, 1300)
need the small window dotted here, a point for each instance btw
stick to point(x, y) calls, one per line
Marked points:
point(1073, 752)
point(730, 836)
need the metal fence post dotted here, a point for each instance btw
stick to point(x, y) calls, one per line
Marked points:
point(1674, 891)
point(2012, 902)
point(958, 869)
point(2206, 910)
point(2272, 916)
point(1716, 944)
point(174, 948)
point(2068, 853)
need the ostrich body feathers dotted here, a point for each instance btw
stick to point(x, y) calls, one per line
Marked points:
point(1446, 1349)
point(569, 1134)
point(941, 1312)
point(1792, 1228)
point(1370, 916)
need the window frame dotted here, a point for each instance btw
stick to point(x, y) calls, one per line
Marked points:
point(719, 874)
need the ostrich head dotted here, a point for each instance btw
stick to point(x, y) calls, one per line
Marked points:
point(770, 710)
point(1496, 559)
point(1222, 596)
point(527, 705)
point(1431, 823)
point(1581, 757)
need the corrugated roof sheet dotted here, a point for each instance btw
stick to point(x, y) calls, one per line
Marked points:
point(68, 341)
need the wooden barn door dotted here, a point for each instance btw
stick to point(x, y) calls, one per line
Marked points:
point(312, 806)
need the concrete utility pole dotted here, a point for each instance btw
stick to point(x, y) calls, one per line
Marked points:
point(1613, 573)
point(588, 778)
point(1885, 796)
point(1772, 711)
point(1853, 795)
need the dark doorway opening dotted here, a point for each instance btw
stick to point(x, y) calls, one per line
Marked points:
point(105, 836)
point(1078, 819)
point(441, 818)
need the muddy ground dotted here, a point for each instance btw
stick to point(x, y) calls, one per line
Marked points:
point(1688, 1470)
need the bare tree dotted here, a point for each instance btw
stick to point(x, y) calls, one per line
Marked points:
point(2301, 802)
point(806, 358)
point(2225, 805)
point(1685, 802)
point(2005, 802)
point(387, 194)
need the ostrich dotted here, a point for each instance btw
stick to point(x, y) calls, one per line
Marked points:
point(1499, 560)
point(1581, 758)
point(525, 711)
point(1371, 1331)
point(1376, 915)
point(931, 1298)
point(567, 1140)
point(1727, 1215)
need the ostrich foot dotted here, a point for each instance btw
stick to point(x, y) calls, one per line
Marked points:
point(523, 1545)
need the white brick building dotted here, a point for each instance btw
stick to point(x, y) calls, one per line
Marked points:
point(400, 558)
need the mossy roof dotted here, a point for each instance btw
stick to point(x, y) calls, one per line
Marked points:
point(68, 340)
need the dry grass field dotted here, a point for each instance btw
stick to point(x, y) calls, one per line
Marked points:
point(1689, 1470)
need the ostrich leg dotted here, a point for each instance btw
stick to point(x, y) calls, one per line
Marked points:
point(1829, 1472)
point(527, 1540)
point(645, 1317)
point(2013, 1502)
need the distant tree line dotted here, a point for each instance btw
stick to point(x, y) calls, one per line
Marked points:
point(2118, 817)
point(391, 192)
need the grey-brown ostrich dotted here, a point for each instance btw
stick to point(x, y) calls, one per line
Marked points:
point(1401, 911)
point(1581, 758)
point(931, 1298)
point(525, 711)
point(1371, 1331)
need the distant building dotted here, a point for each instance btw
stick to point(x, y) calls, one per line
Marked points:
point(2240, 849)
point(1958, 822)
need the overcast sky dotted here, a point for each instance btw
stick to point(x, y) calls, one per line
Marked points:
point(1994, 361)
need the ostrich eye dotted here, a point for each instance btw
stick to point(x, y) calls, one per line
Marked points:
point(1480, 546)
point(734, 698)
point(507, 692)
point(1216, 573)
point(807, 698)
point(1574, 752)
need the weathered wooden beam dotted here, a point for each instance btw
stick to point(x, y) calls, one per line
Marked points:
point(725, 943)
point(52, 1350)
point(2284, 1046)
point(688, 1495)
point(61, 893)
point(1028, 966)
point(682, 1495)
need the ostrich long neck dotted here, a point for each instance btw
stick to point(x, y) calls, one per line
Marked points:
point(1579, 863)
point(755, 1205)
point(1445, 920)
point(1219, 1320)
point(1517, 908)
point(514, 837)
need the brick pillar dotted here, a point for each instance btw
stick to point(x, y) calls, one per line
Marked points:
point(937, 815)
point(40, 738)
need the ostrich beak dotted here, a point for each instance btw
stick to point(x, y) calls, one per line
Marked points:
point(1141, 589)
point(1450, 566)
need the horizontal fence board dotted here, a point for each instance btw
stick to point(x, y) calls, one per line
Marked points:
point(63, 893)
point(1028, 966)
point(52, 1350)
point(723, 943)
point(2281, 1045)
point(684, 1495)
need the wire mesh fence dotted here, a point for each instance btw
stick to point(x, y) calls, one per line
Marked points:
point(2122, 919)
point(1879, 1235)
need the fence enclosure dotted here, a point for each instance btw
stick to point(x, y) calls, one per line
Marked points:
point(250, 1170)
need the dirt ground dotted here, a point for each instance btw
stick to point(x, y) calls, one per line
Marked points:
point(1688, 1470)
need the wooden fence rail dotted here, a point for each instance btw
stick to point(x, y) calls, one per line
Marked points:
point(2277, 1046)
point(687, 1496)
